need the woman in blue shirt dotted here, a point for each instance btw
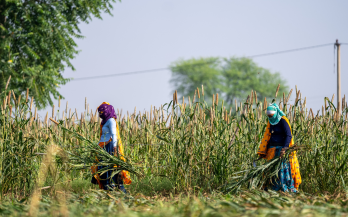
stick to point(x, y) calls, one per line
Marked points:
point(110, 142)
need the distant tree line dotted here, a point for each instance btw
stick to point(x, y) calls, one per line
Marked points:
point(232, 78)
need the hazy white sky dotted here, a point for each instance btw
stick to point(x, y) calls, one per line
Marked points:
point(149, 34)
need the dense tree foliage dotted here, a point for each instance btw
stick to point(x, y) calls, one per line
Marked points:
point(233, 77)
point(37, 42)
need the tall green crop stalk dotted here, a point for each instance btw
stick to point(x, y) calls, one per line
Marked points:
point(188, 142)
point(18, 161)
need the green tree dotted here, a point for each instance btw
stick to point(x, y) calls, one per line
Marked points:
point(187, 75)
point(241, 75)
point(37, 42)
point(232, 78)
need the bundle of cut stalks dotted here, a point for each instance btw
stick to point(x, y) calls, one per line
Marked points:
point(91, 154)
point(258, 176)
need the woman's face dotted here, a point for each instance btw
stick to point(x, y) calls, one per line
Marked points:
point(100, 114)
point(270, 115)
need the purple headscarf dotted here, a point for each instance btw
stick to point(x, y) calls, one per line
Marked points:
point(108, 112)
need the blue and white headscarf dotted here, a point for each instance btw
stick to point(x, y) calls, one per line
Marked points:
point(277, 113)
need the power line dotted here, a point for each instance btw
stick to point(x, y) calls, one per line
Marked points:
point(167, 68)
point(120, 74)
point(288, 51)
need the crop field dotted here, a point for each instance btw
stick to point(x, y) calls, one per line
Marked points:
point(181, 155)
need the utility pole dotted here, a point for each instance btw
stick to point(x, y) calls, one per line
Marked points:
point(338, 78)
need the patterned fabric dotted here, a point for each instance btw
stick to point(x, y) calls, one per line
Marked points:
point(281, 134)
point(271, 153)
point(106, 111)
point(102, 144)
point(284, 181)
point(96, 177)
point(277, 115)
point(124, 174)
point(294, 165)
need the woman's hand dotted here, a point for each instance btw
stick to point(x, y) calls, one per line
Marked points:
point(282, 152)
point(262, 155)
